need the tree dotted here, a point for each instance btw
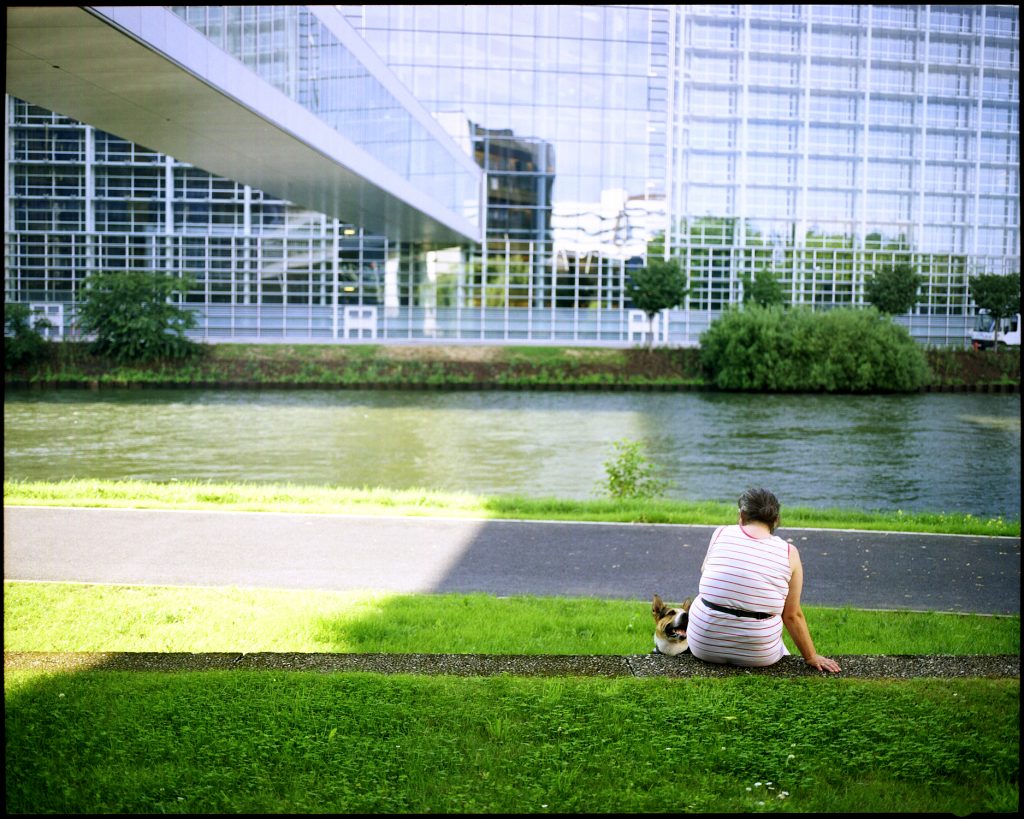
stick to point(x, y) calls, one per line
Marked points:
point(998, 295)
point(893, 290)
point(763, 289)
point(659, 286)
point(132, 318)
point(23, 343)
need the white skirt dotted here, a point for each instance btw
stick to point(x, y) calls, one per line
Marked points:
point(717, 637)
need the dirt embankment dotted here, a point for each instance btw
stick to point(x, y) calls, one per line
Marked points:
point(454, 366)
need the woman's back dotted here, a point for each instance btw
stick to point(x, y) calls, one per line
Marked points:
point(750, 576)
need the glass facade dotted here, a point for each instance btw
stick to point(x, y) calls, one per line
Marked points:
point(819, 143)
point(839, 139)
point(297, 53)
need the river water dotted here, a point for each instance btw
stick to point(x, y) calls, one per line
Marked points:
point(925, 452)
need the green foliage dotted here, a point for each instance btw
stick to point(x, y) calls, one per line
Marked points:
point(893, 289)
point(42, 616)
point(294, 742)
point(132, 318)
point(999, 295)
point(774, 350)
point(275, 497)
point(23, 345)
point(630, 474)
point(658, 286)
point(764, 289)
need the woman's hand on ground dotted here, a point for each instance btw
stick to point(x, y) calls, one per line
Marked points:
point(822, 663)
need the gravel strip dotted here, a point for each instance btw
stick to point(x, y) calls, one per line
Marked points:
point(855, 666)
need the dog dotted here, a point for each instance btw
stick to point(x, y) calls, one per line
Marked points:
point(670, 627)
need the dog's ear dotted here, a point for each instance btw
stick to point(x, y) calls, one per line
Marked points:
point(657, 607)
point(686, 604)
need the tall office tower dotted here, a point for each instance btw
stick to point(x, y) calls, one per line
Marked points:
point(818, 144)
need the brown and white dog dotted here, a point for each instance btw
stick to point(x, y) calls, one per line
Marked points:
point(670, 626)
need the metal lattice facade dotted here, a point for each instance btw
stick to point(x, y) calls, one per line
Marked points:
point(819, 143)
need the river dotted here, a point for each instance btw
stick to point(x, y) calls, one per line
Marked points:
point(955, 452)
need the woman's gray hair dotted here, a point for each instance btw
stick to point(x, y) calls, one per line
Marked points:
point(759, 505)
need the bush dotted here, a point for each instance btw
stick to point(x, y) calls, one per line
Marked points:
point(630, 475)
point(998, 294)
point(23, 345)
point(131, 317)
point(764, 289)
point(893, 289)
point(797, 350)
point(661, 285)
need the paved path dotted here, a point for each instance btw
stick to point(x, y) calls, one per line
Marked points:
point(871, 570)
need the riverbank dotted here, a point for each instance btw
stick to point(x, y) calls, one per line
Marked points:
point(338, 500)
point(429, 366)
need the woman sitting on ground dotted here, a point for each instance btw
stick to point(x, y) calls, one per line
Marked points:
point(750, 587)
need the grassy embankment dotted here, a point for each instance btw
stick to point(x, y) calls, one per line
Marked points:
point(434, 367)
point(254, 497)
point(238, 741)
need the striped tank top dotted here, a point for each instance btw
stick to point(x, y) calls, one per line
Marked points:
point(741, 572)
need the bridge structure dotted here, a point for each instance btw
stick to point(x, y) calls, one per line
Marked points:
point(320, 122)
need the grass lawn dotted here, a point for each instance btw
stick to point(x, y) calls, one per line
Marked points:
point(256, 497)
point(119, 742)
point(240, 742)
point(83, 617)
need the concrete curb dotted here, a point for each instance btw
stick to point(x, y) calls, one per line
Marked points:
point(855, 666)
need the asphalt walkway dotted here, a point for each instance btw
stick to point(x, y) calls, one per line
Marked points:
point(869, 570)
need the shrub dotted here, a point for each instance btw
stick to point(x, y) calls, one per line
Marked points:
point(763, 288)
point(131, 317)
point(845, 350)
point(630, 474)
point(893, 289)
point(23, 345)
point(998, 294)
point(661, 285)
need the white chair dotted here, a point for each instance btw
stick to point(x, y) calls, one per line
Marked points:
point(360, 318)
point(54, 313)
point(637, 324)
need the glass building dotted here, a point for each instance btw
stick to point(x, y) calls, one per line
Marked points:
point(819, 144)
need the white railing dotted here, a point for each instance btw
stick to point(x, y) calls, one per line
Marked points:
point(319, 324)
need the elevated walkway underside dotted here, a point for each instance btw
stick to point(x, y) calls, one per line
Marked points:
point(155, 81)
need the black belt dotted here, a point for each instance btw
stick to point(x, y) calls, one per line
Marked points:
point(757, 615)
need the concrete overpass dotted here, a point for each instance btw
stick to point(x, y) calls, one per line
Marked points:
point(146, 75)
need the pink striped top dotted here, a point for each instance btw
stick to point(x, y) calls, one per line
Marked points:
point(744, 572)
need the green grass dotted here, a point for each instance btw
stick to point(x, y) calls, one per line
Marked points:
point(83, 617)
point(562, 357)
point(239, 742)
point(253, 497)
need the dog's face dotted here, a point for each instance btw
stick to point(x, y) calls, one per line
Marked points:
point(670, 626)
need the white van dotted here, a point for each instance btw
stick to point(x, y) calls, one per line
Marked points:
point(983, 334)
